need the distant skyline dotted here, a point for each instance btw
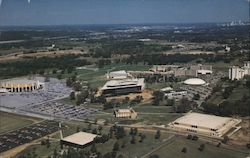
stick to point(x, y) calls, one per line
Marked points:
point(68, 12)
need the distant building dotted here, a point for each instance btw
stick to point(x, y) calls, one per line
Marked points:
point(119, 87)
point(172, 94)
point(227, 49)
point(117, 75)
point(177, 71)
point(194, 82)
point(79, 140)
point(206, 125)
point(236, 73)
point(21, 85)
point(125, 113)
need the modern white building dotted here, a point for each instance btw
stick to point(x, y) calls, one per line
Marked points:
point(122, 74)
point(236, 72)
point(172, 94)
point(125, 86)
point(203, 124)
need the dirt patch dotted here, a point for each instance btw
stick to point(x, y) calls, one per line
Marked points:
point(243, 135)
point(20, 55)
point(146, 94)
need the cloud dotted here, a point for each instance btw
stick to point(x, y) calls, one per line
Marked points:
point(29, 1)
point(0, 3)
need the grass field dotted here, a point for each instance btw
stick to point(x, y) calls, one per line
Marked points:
point(11, 121)
point(173, 150)
point(133, 150)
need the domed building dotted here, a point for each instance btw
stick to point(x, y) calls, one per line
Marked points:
point(194, 82)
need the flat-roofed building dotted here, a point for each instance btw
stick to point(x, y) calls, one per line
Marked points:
point(203, 124)
point(119, 87)
point(21, 85)
point(125, 113)
point(79, 140)
point(236, 72)
point(122, 74)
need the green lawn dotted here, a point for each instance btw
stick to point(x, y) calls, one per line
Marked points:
point(173, 150)
point(11, 121)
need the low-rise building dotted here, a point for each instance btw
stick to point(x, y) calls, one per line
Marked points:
point(125, 113)
point(203, 124)
point(78, 140)
point(119, 87)
point(122, 74)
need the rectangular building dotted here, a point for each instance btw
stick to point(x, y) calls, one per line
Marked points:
point(79, 140)
point(119, 87)
point(203, 124)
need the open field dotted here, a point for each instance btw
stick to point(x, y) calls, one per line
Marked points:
point(20, 55)
point(11, 121)
point(138, 149)
point(211, 151)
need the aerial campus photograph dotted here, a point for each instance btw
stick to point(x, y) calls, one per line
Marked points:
point(124, 79)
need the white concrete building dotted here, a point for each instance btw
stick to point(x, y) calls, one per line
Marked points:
point(203, 124)
point(122, 74)
point(125, 86)
point(236, 73)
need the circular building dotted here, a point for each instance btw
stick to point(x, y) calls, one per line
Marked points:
point(21, 85)
point(194, 82)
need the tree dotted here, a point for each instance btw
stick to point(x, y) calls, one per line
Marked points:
point(158, 134)
point(116, 146)
point(196, 97)
point(202, 147)
point(93, 148)
point(184, 150)
point(158, 96)
point(225, 139)
point(72, 96)
point(133, 140)
point(154, 156)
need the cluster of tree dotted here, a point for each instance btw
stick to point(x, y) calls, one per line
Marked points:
point(117, 131)
point(158, 96)
point(111, 47)
point(226, 108)
point(39, 65)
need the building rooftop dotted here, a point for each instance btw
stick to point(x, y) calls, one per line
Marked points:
point(123, 83)
point(204, 120)
point(194, 81)
point(18, 81)
point(80, 138)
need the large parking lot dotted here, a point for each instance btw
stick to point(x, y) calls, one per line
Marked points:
point(44, 101)
point(53, 89)
point(27, 134)
point(61, 110)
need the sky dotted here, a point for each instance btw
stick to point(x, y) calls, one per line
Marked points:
point(61, 12)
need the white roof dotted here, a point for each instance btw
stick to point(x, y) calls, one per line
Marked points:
point(204, 71)
point(194, 81)
point(124, 110)
point(167, 89)
point(19, 81)
point(123, 83)
point(80, 138)
point(3, 90)
point(203, 120)
point(121, 72)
